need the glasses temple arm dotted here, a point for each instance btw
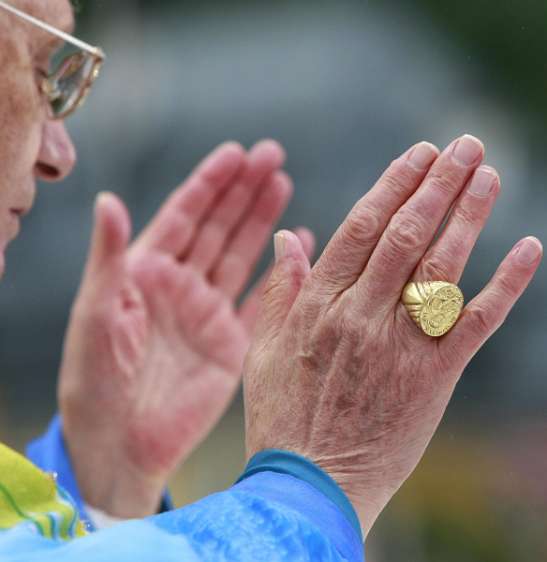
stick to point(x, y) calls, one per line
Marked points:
point(58, 32)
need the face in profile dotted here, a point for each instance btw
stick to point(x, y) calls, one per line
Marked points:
point(32, 146)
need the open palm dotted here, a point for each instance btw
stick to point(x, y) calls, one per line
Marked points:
point(155, 345)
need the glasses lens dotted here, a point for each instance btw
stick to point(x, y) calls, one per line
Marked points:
point(71, 81)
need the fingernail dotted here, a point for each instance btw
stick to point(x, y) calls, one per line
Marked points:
point(467, 150)
point(101, 196)
point(279, 245)
point(528, 251)
point(483, 182)
point(422, 156)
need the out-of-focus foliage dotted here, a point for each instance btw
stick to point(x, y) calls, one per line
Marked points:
point(509, 39)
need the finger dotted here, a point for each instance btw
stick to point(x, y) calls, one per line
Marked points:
point(349, 250)
point(487, 312)
point(290, 270)
point(216, 230)
point(307, 239)
point(446, 259)
point(111, 233)
point(182, 302)
point(174, 226)
point(250, 308)
point(413, 227)
point(239, 258)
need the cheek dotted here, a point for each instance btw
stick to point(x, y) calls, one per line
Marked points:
point(21, 114)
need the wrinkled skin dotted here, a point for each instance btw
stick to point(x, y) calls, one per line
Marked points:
point(31, 147)
point(338, 370)
point(155, 345)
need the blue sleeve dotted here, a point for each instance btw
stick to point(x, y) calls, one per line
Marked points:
point(268, 517)
point(49, 453)
point(287, 462)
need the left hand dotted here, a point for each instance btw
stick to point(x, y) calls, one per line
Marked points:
point(155, 345)
point(338, 371)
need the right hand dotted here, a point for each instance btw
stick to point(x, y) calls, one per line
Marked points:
point(157, 339)
point(338, 371)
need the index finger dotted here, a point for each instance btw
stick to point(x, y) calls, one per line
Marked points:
point(413, 228)
point(349, 250)
point(173, 226)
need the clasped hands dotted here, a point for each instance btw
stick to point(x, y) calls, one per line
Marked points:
point(336, 371)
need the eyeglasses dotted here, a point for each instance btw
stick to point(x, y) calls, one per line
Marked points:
point(67, 87)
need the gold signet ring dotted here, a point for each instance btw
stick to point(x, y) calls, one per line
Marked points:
point(434, 305)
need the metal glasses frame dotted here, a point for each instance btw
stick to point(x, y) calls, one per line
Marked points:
point(88, 54)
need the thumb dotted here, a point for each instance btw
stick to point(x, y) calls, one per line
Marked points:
point(250, 307)
point(290, 270)
point(111, 233)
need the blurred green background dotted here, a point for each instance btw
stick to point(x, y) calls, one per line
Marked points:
point(346, 86)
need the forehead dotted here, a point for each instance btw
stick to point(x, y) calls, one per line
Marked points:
point(57, 13)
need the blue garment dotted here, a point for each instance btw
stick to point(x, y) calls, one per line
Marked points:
point(268, 516)
point(287, 462)
point(49, 453)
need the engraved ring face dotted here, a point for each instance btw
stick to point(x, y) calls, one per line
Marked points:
point(435, 306)
point(441, 310)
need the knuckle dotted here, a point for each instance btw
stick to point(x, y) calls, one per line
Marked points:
point(435, 267)
point(507, 286)
point(275, 287)
point(465, 215)
point(397, 178)
point(361, 228)
point(482, 320)
point(348, 322)
point(445, 183)
point(405, 232)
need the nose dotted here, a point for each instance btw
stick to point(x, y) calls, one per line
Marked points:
point(57, 155)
